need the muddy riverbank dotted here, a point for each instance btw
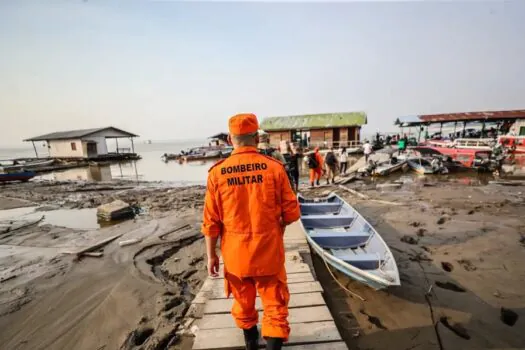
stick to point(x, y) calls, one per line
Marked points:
point(459, 250)
point(459, 247)
point(120, 297)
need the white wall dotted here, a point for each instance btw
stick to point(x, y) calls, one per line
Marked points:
point(102, 147)
point(515, 129)
point(62, 148)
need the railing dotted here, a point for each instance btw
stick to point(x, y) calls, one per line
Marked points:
point(124, 150)
point(335, 144)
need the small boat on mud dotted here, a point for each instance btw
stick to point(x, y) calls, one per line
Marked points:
point(346, 241)
point(199, 153)
point(16, 176)
point(424, 166)
point(383, 168)
point(29, 165)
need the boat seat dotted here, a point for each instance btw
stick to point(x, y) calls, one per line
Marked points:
point(339, 240)
point(368, 261)
point(320, 208)
point(327, 221)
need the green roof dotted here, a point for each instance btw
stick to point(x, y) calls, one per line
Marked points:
point(314, 121)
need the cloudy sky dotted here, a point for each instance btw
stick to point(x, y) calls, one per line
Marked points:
point(177, 70)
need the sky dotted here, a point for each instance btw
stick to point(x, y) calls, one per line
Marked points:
point(178, 70)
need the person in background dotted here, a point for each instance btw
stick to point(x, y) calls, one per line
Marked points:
point(296, 161)
point(343, 161)
point(248, 204)
point(315, 164)
point(291, 163)
point(265, 148)
point(330, 161)
point(401, 145)
point(367, 150)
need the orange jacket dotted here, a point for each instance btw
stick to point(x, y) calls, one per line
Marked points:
point(320, 161)
point(247, 196)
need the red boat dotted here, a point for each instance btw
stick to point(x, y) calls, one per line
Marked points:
point(469, 157)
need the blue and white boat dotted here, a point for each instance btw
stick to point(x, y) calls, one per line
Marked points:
point(345, 240)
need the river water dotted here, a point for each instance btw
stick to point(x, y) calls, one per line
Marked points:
point(152, 168)
point(149, 168)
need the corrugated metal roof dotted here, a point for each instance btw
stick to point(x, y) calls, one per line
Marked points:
point(514, 114)
point(75, 134)
point(314, 121)
point(408, 120)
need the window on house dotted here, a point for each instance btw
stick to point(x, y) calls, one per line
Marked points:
point(73, 146)
point(522, 131)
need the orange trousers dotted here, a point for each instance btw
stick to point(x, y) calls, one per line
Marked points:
point(273, 291)
point(315, 174)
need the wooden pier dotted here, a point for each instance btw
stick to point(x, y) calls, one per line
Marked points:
point(311, 324)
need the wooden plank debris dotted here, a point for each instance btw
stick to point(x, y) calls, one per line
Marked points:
point(96, 246)
point(354, 192)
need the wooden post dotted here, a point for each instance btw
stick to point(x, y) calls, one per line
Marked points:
point(464, 129)
point(132, 145)
point(34, 147)
point(455, 123)
point(116, 140)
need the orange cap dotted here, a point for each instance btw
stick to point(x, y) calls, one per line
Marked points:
point(242, 124)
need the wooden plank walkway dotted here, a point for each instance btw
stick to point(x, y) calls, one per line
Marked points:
point(312, 325)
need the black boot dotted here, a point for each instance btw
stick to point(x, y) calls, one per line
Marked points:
point(251, 338)
point(274, 343)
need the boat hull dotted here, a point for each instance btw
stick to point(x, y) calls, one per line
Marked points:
point(347, 242)
point(18, 176)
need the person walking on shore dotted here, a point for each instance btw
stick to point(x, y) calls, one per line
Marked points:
point(330, 161)
point(291, 165)
point(315, 164)
point(248, 204)
point(367, 150)
point(343, 161)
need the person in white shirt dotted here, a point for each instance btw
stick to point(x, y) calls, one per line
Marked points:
point(367, 150)
point(343, 161)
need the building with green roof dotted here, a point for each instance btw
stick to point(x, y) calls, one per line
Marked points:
point(323, 130)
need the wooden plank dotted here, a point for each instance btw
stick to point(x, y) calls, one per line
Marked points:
point(297, 315)
point(324, 346)
point(301, 333)
point(221, 306)
point(292, 267)
point(290, 257)
point(293, 288)
point(292, 277)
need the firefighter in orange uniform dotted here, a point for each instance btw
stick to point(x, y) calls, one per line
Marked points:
point(248, 204)
point(315, 163)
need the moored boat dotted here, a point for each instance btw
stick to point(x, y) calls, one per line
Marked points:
point(383, 168)
point(345, 240)
point(17, 176)
point(426, 166)
point(29, 165)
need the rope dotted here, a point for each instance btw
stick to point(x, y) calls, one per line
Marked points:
point(339, 283)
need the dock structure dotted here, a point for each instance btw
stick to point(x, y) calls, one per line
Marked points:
point(311, 324)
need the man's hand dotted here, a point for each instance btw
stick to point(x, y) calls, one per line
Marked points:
point(213, 266)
